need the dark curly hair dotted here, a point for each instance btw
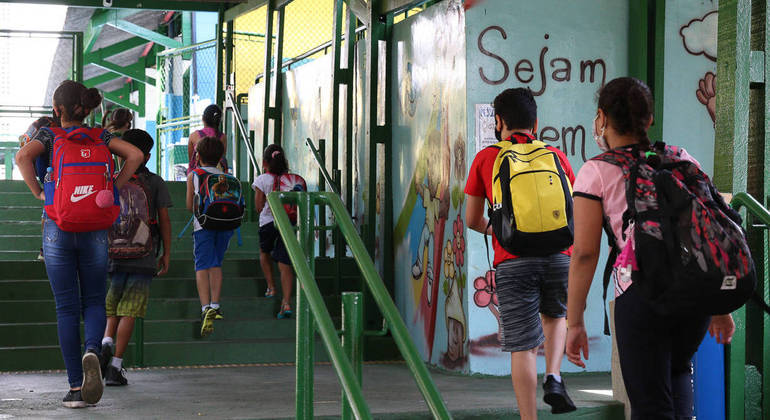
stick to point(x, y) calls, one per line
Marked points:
point(275, 159)
point(76, 99)
point(628, 104)
point(210, 151)
point(117, 118)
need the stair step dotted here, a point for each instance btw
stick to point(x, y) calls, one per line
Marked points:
point(224, 352)
point(32, 227)
point(231, 328)
point(179, 267)
point(42, 358)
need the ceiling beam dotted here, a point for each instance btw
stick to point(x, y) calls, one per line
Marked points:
point(115, 97)
point(145, 33)
point(102, 78)
point(243, 8)
point(134, 71)
point(114, 49)
point(200, 6)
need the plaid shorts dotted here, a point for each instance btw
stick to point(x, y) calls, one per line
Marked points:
point(128, 294)
point(526, 288)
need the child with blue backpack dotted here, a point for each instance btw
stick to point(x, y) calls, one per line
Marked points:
point(217, 205)
point(81, 203)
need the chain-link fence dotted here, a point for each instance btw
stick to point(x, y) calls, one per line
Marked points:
point(32, 64)
point(187, 84)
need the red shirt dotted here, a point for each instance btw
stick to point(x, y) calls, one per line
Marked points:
point(480, 182)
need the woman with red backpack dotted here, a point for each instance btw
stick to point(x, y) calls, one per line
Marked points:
point(81, 203)
point(655, 346)
point(275, 177)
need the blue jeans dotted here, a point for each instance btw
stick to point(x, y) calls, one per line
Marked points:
point(76, 263)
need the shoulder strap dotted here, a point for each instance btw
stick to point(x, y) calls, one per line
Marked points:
point(608, 273)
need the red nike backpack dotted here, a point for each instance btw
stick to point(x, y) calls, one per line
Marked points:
point(82, 168)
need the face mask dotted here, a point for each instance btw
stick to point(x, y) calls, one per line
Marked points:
point(599, 137)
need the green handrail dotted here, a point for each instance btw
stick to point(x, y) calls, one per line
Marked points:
point(736, 351)
point(308, 289)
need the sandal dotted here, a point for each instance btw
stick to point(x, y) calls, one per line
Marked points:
point(285, 311)
point(270, 292)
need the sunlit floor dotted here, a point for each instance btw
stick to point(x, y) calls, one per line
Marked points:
point(268, 392)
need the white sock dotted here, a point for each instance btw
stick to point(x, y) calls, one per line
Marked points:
point(214, 305)
point(554, 376)
point(204, 308)
point(107, 341)
point(117, 362)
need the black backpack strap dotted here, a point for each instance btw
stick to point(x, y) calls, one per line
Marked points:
point(760, 301)
point(608, 272)
point(486, 242)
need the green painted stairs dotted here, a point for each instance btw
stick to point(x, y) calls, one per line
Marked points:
point(250, 333)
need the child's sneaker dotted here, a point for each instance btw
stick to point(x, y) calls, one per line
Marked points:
point(73, 399)
point(92, 378)
point(218, 314)
point(40, 256)
point(207, 322)
point(115, 376)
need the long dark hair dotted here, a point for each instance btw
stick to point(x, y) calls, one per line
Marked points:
point(275, 160)
point(628, 104)
point(76, 99)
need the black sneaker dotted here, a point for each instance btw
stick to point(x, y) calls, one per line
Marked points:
point(105, 358)
point(218, 314)
point(556, 396)
point(73, 399)
point(92, 378)
point(115, 376)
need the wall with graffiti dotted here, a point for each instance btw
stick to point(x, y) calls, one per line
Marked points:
point(563, 51)
point(690, 77)
point(429, 165)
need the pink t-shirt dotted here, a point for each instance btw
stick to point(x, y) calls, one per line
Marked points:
point(603, 181)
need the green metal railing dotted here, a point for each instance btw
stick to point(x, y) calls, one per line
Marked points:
point(311, 307)
point(759, 217)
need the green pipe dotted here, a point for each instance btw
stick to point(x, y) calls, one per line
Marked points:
point(352, 339)
point(387, 307)
point(324, 323)
point(753, 207)
point(305, 334)
point(320, 161)
point(736, 351)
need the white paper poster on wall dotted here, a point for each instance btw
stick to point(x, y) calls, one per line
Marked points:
point(485, 126)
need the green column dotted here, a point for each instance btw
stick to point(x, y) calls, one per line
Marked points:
point(352, 339)
point(305, 332)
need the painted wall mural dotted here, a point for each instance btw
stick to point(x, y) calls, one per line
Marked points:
point(429, 141)
point(563, 53)
point(690, 78)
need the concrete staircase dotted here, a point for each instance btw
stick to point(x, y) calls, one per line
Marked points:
point(250, 333)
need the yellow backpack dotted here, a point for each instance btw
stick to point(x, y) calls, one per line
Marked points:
point(531, 212)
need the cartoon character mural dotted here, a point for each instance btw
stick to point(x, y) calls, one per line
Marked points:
point(431, 130)
point(699, 37)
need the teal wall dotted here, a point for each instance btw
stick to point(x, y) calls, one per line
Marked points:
point(552, 38)
point(690, 63)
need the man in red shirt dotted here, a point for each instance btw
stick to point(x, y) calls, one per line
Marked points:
point(526, 287)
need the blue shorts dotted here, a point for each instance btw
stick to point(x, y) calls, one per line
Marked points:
point(209, 247)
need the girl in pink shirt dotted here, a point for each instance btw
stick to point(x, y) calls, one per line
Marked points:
point(654, 350)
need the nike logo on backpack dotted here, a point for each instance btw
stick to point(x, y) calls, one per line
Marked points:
point(81, 192)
